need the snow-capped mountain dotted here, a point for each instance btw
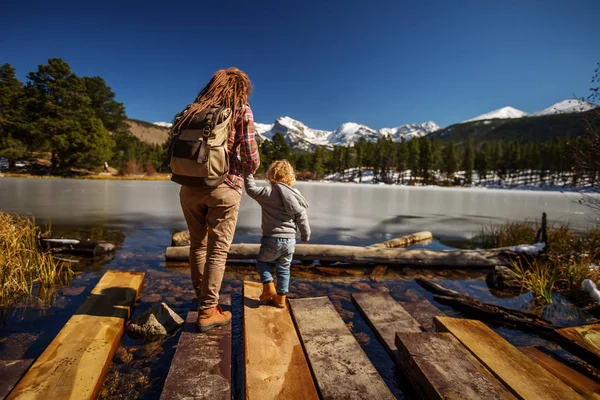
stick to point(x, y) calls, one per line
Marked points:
point(163, 124)
point(300, 136)
point(565, 107)
point(501, 113)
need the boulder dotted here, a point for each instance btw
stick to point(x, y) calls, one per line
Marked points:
point(154, 323)
point(503, 278)
point(181, 238)
point(103, 248)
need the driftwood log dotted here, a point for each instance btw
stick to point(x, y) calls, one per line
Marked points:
point(364, 255)
point(519, 319)
point(404, 241)
point(92, 248)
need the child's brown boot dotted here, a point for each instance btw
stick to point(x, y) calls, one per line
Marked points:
point(278, 300)
point(268, 291)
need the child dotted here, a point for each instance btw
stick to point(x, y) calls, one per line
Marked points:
point(283, 209)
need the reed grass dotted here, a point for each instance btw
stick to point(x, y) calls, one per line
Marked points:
point(562, 269)
point(25, 270)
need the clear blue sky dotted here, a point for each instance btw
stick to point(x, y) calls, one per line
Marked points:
point(380, 63)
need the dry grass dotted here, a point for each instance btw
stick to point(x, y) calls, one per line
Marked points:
point(561, 269)
point(23, 266)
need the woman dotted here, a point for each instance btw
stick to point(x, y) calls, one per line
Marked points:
point(211, 212)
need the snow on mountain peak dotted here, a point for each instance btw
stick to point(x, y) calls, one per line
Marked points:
point(163, 124)
point(501, 113)
point(565, 107)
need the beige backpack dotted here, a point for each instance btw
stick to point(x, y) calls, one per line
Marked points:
point(198, 154)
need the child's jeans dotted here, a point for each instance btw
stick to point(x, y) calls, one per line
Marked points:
point(279, 251)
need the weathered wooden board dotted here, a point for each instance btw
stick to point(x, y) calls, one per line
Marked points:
point(365, 255)
point(525, 378)
point(423, 311)
point(385, 316)
point(441, 368)
point(201, 367)
point(10, 373)
point(583, 341)
point(583, 385)
point(340, 366)
point(75, 363)
point(275, 365)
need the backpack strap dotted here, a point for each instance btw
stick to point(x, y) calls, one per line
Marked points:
point(213, 119)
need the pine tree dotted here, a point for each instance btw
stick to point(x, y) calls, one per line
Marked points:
point(436, 148)
point(482, 161)
point(469, 161)
point(451, 160)
point(414, 159)
point(60, 107)
point(402, 158)
point(13, 124)
point(425, 159)
point(281, 150)
point(102, 101)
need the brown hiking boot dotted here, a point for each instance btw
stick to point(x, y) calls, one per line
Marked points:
point(278, 300)
point(268, 291)
point(212, 317)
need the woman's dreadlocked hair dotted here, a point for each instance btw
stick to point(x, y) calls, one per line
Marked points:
point(228, 88)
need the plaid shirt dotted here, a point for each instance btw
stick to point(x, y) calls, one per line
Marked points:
point(242, 143)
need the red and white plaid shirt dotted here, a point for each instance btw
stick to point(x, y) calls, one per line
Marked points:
point(243, 137)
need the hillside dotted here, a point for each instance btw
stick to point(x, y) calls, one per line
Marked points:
point(535, 129)
point(148, 132)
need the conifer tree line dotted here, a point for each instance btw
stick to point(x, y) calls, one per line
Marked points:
point(425, 160)
point(74, 121)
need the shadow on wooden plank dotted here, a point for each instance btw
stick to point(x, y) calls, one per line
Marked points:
point(520, 374)
point(583, 385)
point(275, 365)
point(201, 367)
point(10, 373)
point(583, 341)
point(340, 366)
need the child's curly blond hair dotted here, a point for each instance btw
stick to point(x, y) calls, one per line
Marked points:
point(281, 171)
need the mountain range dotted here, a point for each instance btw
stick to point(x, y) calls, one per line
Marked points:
point(301, 137)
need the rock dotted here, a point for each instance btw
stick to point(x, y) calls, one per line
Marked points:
point(122, 356)
point(156, 322)
point(362, 286)
point(104, 248)
point(503, 278)
point(362, 338)
point(76, 291)
point(181, 238)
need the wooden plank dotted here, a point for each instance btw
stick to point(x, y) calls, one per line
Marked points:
point(10, 373)
point(275, 365)
point(385, 316)
point(423, 311)
point(201, 367)
point(583, 341)
point(340, 366)
point(525, 378)
point(75, 363)
point(583, 385)
point(441, 368)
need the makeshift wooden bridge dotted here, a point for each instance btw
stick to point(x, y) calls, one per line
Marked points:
point(306, 351)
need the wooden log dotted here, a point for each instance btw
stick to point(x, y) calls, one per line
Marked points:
point(201, 367)
point(519, 319)
point(362, 255)
point(10, 373)
point(441, 368)
point(75, 363)
point(378, 273)
point(92, 248)
point(525, 378)
point(586, 387)
point(340, 366)
point(404, 241)
point(583, 341)
point(275, 365)
point(385, 316)
point(423, 311)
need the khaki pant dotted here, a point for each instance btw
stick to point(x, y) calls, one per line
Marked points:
point(211, 215)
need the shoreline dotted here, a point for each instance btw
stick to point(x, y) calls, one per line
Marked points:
point(167, 177)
